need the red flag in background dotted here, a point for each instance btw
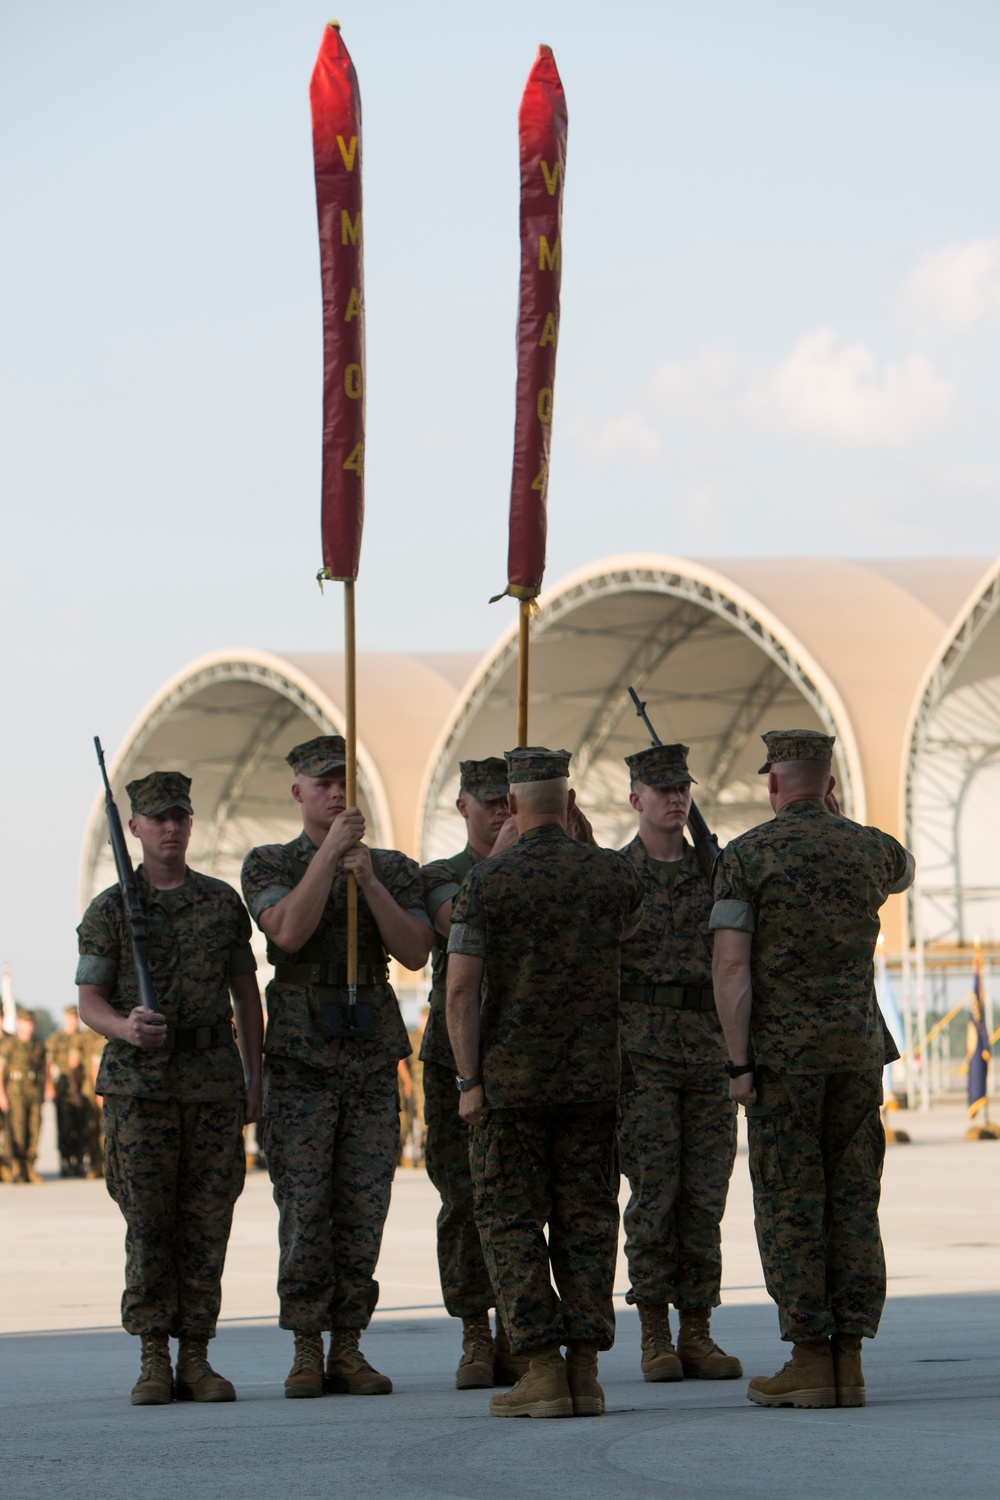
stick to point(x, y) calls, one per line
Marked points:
point(336, 125)
point(542, 124)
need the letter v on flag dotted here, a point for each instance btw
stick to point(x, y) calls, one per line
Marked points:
point(335, 104)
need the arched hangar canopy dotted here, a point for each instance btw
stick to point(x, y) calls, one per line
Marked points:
point(229, 719)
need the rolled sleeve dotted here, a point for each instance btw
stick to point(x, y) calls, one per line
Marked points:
point(435, 899)
point(93, 969)
point(242, 961)
point(464, 938)
point(735, 915)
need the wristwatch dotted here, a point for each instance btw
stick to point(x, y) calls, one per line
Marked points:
point(736, 1070)
point(466, 1083)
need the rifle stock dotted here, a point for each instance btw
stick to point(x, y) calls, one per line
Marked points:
point(706, 845)
point(135, 917)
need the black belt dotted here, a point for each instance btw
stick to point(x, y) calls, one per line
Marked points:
point(330, 976)
point(677, 996)
point(198, 1038)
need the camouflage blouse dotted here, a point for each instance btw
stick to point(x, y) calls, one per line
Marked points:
point(672, 946)
point(295, 1024)
point(442, 881)
point(547, 917)
point(199, 939)
point(808, 886)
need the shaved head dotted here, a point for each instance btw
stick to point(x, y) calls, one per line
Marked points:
point(801, 778)
point(548, 796)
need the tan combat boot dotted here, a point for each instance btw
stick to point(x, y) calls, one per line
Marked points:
point(542, 1392)
point(196, 1380)
point(305, 1379)
point(507, 1366)
point(155, 1386)
point(581, 1375)
point(699, 1355)
point(846, 1350)
point(348, 1373)
point(475, 1368)
point(659, 1357)
point(806, 1380)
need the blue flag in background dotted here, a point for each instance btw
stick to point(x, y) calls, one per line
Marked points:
point(979, 1043)
point(890, 1013)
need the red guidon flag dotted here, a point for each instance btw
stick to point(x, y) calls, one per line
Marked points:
point(542, 124)
point(336, 126)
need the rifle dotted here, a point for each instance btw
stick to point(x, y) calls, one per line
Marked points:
point(135, 917)
point(706, 845)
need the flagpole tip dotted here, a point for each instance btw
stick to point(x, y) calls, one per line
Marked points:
point(333, 25)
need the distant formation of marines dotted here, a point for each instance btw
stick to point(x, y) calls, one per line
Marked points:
point(587, 1006)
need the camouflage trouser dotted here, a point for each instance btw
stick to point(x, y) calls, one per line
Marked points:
point(465, 1281)
point(94, 1133)
point(816, 1152)
point(556, 1165)
point(678, 1145)
point(24, 1122)
point(175, 1170)
point(71, 1127)
point(330, 1141)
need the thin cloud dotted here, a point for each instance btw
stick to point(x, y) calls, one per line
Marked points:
point(955, 288)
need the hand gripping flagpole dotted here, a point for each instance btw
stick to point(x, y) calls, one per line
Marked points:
point(542, 128)
point(335, 103)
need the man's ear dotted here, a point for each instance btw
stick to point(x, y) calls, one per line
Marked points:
point(570, 798)
point(296, 791)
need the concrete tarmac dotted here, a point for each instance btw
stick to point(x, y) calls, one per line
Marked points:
point(930, 1428)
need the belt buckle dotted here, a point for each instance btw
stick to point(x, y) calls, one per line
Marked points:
point(203, 1037)
point(649, 994)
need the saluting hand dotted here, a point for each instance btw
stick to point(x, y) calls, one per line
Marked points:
point(507, 837)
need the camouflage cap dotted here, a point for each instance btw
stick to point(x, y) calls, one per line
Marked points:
point(158, 791)
point(319, 757)
point(796, 744)
point(484, 779)
point(660, 766)
point(535, 763)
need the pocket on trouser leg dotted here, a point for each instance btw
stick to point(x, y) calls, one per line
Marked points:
point(114, 1173)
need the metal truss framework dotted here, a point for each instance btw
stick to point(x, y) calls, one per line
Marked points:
point(180, 704)
point(716, 610)
point(956, 737)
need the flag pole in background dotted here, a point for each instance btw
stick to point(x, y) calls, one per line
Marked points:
point(542, 128)
point(9, 1003)
point(335, 104)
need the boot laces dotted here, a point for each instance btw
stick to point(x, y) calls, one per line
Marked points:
point(308, 1352)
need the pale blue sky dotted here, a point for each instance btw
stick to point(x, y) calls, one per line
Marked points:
point(781, 305)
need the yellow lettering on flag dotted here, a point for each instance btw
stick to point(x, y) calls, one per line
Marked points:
point(350, 229)
point(551, 177)
point(353, 305)
point(356, 460)
point(549, 335)
point(548, 259)
point(541, 478)
point(352, 382)
point(544, 404)
point(348, 153)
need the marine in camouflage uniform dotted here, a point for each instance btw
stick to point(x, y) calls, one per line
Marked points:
point(331, 1105)
point(67, 1054)
point(543, 921)
point(23, 1079)
point(795, 918)
point(678, 1124)
point(465, 1281)
point(176, 1092)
